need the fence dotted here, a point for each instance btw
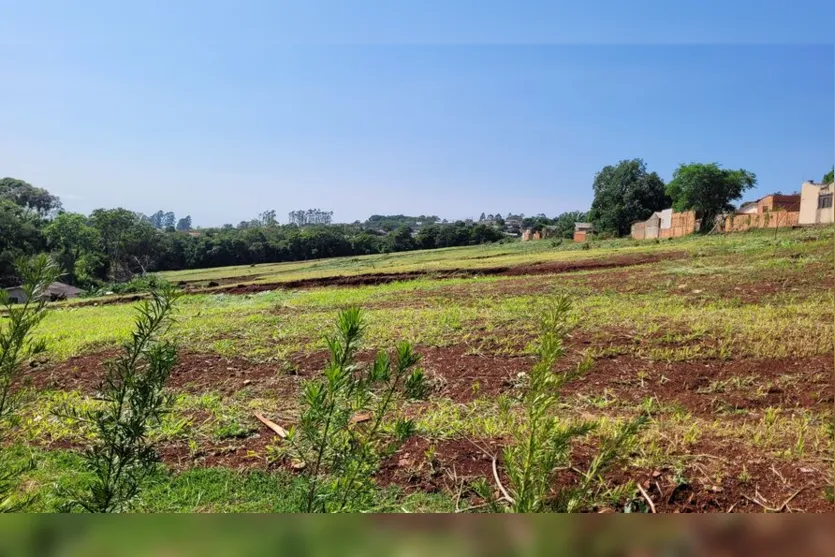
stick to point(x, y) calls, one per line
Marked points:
point(681, 224)
point(770, 219)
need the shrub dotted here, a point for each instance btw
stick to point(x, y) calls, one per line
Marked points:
point(344, 431)
point(138, 284)
point(132, 401)
point(16, 346)
point(542, 442)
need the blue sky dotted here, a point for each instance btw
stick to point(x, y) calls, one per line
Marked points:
point(453, 108)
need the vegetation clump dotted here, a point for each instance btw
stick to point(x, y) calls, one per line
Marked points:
point(132, 400)
point(346, 429)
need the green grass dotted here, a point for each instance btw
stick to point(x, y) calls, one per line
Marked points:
point(741, 296)
point(196, 490)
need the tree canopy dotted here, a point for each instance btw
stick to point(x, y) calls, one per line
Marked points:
point(708, 189)
point(28, 196)
point(625, 193)
point(829, 177)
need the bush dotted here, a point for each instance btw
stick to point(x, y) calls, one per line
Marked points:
point(344, 431)
point(542, 442)
point(16, 346)
point(136, 285)
point(133, 401)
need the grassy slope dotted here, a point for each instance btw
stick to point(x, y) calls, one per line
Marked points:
point(733, 299)
point(471, 257)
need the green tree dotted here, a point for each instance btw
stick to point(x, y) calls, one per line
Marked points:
point(625, 193)
point(71, 238)
point(128, 239)
point(829, 177)
point(28, 196)
point(708, 189)
point(565, 223)
point(20, 235)
point(401, 239)
point(184, 224)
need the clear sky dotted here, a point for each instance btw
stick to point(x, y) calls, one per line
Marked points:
point(221, 110)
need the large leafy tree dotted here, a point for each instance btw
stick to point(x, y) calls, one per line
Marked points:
point(29, 197)
point(829, 177)
point(708, 189)
point(625, 193)
point(20, 235)
point(75, 245)
point(565, 223)
point(128, 239)
point(184, 224)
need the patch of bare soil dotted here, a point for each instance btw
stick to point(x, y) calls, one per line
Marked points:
point(464, 377)
point(81, 373)
point(719, 477)
point(735, 482)
point(433, 466)
point(250, 453)
point(709, 386)
point(194, 373)
point(451, 372)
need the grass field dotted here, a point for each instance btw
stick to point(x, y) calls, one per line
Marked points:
point(725, 341)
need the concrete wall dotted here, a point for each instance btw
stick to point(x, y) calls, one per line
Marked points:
point(809, 213)
point(648, 229)
point(772, 219)
point(17, 294)
point(639, 231)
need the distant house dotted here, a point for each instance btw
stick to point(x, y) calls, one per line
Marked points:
point(582, 230)
point(769, 203)
point(772, 211)
point(55, 291)
point(513, 225)
point(748, 208)
point(816, 203)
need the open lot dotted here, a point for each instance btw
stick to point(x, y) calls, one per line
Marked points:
point(726, 341)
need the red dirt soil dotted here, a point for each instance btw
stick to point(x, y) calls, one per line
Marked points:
point(785, 382)
point(194, 373)
point(520, 270)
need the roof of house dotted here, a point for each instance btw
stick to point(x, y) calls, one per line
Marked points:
point(56, 289)
point(583, 226)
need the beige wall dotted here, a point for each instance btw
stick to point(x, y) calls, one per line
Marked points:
point(809, 212)
point(772, 219)
point(681, 224)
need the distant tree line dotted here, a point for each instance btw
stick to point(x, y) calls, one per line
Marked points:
point(310, 216)
point(116, 244)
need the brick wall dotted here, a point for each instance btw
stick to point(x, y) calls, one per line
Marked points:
point(681, 224)
point(772, 219)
